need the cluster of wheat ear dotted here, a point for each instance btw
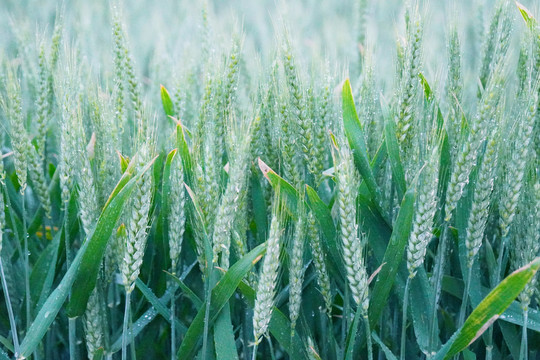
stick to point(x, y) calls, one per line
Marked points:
point(176, 185)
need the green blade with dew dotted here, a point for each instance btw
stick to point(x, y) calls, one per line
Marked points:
point(42, 276)
point(224, 341)
point(160, 306)
point(101, 234)
point(221, 294)
point(513, 314)
point(489, 310)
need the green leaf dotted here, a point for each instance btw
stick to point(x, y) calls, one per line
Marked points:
point(392, 257)
point(357, 140)
point(387, 352)
point(221, 293)
point(489, 310)
point(42, 276)
point(88, 268)
point(101, 234)
point(512, 315)
point(156, 303)
point(98, 354)
point(259, 206)
point(142, 322)
point(527, 16)
point(392, 148)
point(224, 336)
point(351, 336)
point(287, 192)
point(428, 93)
point(187, 291)
point(323, 215)
point(168, 105)
point(185, 154)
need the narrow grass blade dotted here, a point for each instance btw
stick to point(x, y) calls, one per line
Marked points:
point(489, 310)
point(387, 352)
point(140, 324)
point(392, 257)
point(527, 16)
point(357, 141)
point(392, 148)
point(184, 152)
point(224, 336)
point(156, 303)
point(42, 276)
point(168, 105)
point(351, 337)
point(259, 206)
point(286, 190)
point(187, 291)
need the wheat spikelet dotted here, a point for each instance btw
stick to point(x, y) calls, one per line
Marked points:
point(266, 287)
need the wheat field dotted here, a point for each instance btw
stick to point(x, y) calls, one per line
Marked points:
point(276, 179)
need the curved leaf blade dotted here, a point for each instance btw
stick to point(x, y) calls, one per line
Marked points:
point(392, 257)
point(88, 269)
point(355, 136)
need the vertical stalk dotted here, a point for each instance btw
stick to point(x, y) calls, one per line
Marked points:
point(26, 265)
point(173, 325)
point(12, 322)
point(271, 347)
point(404, 318)
point(524, 349)
point(254, 357)
point(368, 337)
point(72, 328)
point(125, 328)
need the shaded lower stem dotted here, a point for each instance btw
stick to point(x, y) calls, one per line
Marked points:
point(368, 337)
point(173, 325)
point(404, 318)
point(125, 329)
point(72, 326)
point(26, 266)
point(524, 349)
point(12, 322)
